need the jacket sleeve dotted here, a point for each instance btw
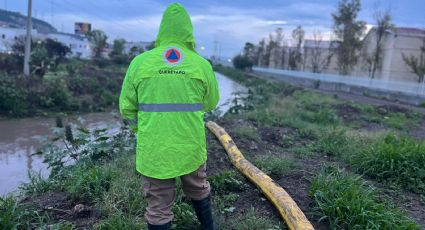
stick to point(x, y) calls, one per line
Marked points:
point(128, 99)
point(212, 95)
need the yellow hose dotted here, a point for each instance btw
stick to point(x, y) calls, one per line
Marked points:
point(288, 209)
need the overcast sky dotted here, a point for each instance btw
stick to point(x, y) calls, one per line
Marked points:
point(230, 23)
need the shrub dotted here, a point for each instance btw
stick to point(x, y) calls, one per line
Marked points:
point(347, 202)
point(399, 160)
point(225, 182)
point(89, 183)
point(242, 62)
point(12, 97)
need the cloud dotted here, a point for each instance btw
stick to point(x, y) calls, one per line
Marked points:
point(277, 22)
point(225, 27)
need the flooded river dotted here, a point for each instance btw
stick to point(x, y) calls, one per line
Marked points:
point(20, 138)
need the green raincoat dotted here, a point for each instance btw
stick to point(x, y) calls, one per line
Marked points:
point(163, 99)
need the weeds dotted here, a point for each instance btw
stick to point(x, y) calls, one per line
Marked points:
point(37, 184)
point(89, 183)
point(252, 220)
point(15, 215)
point(120, 221)
point(246, 132)
point(333, 142)
point(273, 164)
point(399, 160)
point(227, 181)
point(347, 202)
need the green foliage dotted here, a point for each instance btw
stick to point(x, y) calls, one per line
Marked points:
point(85, 145)
point(242, 62)
point(120, 221)
point(347, 202)
point(11, 97)
point(273, 164)
point(37, 184)
point(124, 195)
point(185, 218)
point(226, 181)
point(252, 219)
point(225, 203)
point(16, 215)
point(334, 142)
point(417, 65)
point(399, 160)
point(117, 54)
point(348, 30)
point(89, 183)
point(246, 132)
point(98, 39)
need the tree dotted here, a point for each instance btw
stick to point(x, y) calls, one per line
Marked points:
point(417, 65)
point(98, 39)
point(348, 31)
point(260, 51)
point(117, 54)
point(249, 51)
point(57, 51)
point(320, 60)
point(295, 55)
point(242, 62)
point(383, 22)
point(150, 46)
point(134, 51)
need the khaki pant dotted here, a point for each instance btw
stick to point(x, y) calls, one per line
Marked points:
point(161, 193)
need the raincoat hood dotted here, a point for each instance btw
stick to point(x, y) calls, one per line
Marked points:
point(176, 26)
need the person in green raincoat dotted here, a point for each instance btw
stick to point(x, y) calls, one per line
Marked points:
point(164, 96)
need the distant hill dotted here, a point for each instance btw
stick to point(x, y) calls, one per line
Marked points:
point(17, 20)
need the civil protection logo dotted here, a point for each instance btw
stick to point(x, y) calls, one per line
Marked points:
point(172, 56)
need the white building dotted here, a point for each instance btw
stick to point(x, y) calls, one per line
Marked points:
point(79, 45)
point(8, 37)
point(395, 43)
point(130, 44)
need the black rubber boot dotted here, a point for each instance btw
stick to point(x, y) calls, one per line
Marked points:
point(203, 211)
point(166, 226)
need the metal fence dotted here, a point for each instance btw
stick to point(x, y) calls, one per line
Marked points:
point(386, 85)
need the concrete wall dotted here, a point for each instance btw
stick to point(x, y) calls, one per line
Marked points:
point(407, 93)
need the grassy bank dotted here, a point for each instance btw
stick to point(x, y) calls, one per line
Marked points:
point(310, 143)
point(76, 85)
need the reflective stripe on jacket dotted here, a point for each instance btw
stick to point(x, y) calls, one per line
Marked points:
point(163, 98)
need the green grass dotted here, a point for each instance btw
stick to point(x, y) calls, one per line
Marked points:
point(121, 221)
point(273, 164)
point(247, 132)
point(398, 160)
point(17, 215)
point(226, 182)
point(333, 141)
point(347, 202)
point(395, 120)
point(252, 220)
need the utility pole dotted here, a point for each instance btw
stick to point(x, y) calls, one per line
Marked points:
point(28, 41)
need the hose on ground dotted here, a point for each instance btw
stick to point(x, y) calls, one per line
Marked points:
point(288, 209)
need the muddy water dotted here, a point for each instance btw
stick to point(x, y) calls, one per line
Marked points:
point(20, 138)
